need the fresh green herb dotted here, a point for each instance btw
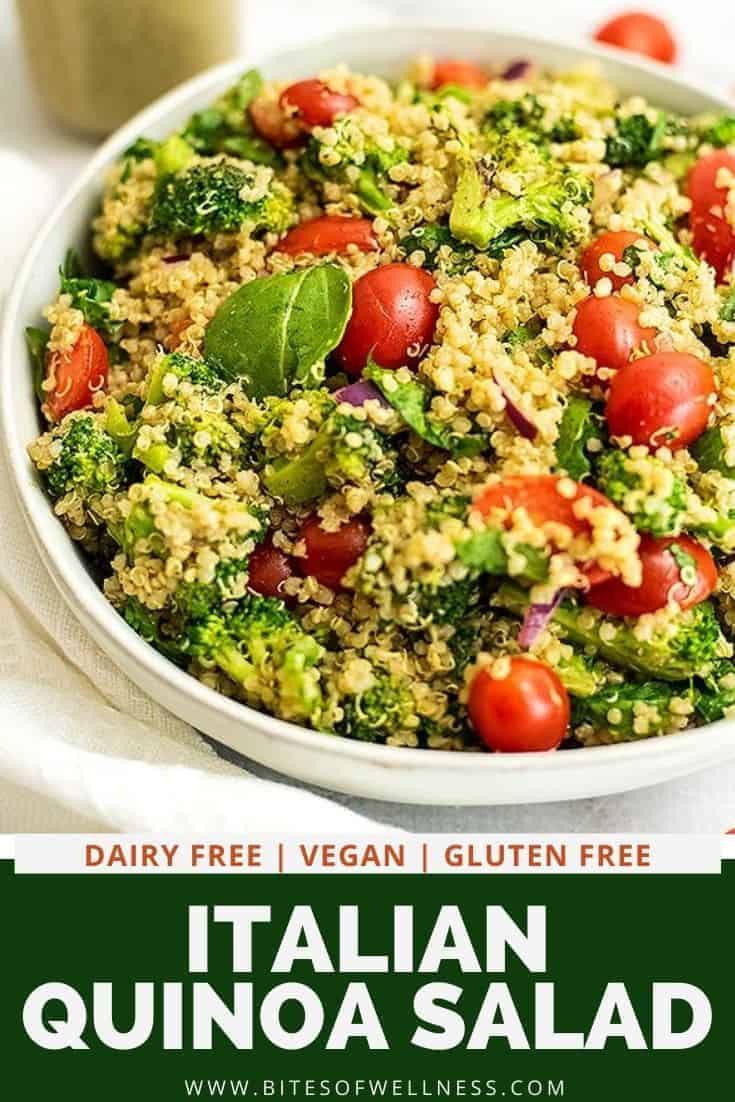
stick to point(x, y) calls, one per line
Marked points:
point(277, 331)
point(721, 132)
point(709, 452)
point(411, 400)
point(37, 342)
point(485, 552)
point(579, 425)
point(89, 295)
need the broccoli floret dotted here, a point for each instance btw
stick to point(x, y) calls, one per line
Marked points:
point(525, 117)
point(89, 295)
point(207, 198)
point(385, 708)
point(355, 160)
point(727, 311)
point(264, 650)
point(151, 627)
point(580, 424)
point(637, 140)
point(86, 460)
point(182, 419)
point(720, 132)
point(549, 209)
point(646, 488)
point(440, 248)
point(715, 699)
point(632, 710)
point(225, 127)
point(685, 646)
point(346, 450)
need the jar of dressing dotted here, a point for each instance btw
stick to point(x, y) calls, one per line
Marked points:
point(96, 62)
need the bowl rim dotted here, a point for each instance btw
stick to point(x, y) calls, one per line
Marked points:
point(85, 598)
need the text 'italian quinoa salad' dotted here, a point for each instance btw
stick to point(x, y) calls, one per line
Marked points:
point(406, 411)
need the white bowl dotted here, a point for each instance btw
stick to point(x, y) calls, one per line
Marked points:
point(412, 776)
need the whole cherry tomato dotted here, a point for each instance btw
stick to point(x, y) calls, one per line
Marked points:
point(675, 568)
point(641, 33)
point(465, 74)
point(392, 321)
point(329, 555)
point(541, 497)
point(330, 233)
point(268, 569)
point(713, 236)
point(77, 375)
point(527, 709)
point(658, 400)
point(315, 104)
point(612, 243)
point(608, 330)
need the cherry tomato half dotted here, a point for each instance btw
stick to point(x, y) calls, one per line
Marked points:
point(660, 400)
point(315, 104)
point(268, 569)
point(539, 495)
point(77, 375)
point(608, 330)
point(392, 321)
point(274, 124)
point(613, 243)
point(329, 555)
point(528, 709)
point(713, 235)
point(330, 233)
point(642, 33)
point(676, 568)
point(465, 74)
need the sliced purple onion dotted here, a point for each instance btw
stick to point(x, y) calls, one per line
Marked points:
point(517, 70)
point(535, 620)
point(526, 428)
point(356, 394)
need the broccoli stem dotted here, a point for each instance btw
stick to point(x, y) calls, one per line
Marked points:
point(583, 627)
point(630, 710)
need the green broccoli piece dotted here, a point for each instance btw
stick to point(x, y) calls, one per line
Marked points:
point(172, 156)
point(376, 713)
point(715, 699)
point(86, 459)
point(709, 452)
point(547, 211)
point(151, 627)
point(411, 399)
point(346, 450)
point(632, 710)
point(636, 140)
point(686, 647)
point(721, 132)
point(653, 496)
point(198, 372)
point(260, 646)
point(525, 118)
point(727, 311)
point(440, 248)
point(580, 424)
point(89, 295)
point(356, 160)
point(208, 198)
point(225, 127)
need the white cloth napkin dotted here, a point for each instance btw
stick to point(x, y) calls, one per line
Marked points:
point(80, 746)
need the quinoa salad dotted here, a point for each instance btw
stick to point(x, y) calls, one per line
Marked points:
point(405, 411)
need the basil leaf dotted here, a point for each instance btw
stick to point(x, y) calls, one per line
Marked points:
point(36, 341)
point(709, 452)
point(579, 424)
point(277, 331)
point(485, 551)
point(411, 401)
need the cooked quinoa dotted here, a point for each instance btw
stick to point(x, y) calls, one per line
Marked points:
point(349, 508)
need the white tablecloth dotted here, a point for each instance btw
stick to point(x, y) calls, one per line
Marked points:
point(83, 749)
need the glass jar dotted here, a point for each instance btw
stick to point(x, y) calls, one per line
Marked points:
point(96, 62)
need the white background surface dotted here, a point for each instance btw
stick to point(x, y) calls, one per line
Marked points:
point(705, 30)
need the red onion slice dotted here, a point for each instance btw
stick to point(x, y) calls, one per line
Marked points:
point(517, 70)
point(356, 394)
point(526, 428)
point(536, 618)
